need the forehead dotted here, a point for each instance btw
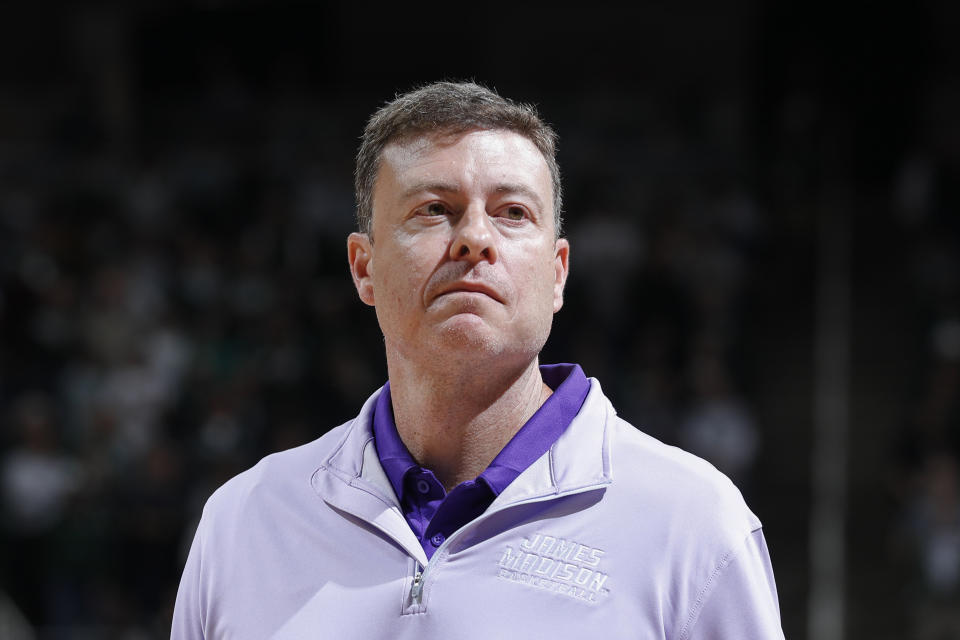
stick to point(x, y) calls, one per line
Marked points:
point(474, 158)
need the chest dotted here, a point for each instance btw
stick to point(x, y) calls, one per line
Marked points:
point(558, 568)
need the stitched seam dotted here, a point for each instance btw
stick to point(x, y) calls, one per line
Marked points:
point(724, 561)
point(605, 447)
point(339, 447)
point(359, 486)
point(437, 568)
point(363, 451)
point(553, 471)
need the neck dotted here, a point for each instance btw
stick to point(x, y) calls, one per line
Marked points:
point(456, 422)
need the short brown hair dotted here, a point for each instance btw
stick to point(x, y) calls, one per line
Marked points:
point(447, 108)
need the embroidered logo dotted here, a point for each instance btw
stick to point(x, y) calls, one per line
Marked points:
point(555, 564)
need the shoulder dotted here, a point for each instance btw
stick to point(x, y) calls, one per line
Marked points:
point(686, 492)
point(286, 476)
point(702, 541)
point(281, 475)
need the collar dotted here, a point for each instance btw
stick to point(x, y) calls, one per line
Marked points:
point(351, 478)
point(570, 387)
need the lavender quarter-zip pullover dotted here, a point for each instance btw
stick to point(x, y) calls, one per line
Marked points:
point(609, 534)
point(432, 513)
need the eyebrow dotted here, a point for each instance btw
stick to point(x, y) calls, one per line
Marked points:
point(448, 187)
point(420, 187)
point(521, 189)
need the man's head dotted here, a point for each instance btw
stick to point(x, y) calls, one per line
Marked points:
point(442, 109)
point(467, 267)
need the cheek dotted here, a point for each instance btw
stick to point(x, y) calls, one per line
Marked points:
point(536, 289)
point(395, 291)
point(547, 274)
point(398, 282)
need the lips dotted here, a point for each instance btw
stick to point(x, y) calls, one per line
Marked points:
point(470, 287)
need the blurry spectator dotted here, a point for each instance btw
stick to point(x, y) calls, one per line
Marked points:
point(37, 481)
point(609, 247)
point(933, 521)
point(38, 477)
point(718, 425)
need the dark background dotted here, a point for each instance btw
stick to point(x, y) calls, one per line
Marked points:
point(762, 201)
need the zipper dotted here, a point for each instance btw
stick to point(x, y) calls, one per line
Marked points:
point(416, 590)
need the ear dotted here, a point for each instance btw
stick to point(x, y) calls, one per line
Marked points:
point(561, 265)
point(360, 256)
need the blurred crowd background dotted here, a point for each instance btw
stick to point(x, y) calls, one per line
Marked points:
point(175, 193)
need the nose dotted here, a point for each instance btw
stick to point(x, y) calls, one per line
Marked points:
point(474, 237)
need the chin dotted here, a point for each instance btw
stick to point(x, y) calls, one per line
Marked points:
point(467, 331)
point(471, 336)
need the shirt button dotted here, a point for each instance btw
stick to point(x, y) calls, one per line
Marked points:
point(437, 539)
point(423, 486)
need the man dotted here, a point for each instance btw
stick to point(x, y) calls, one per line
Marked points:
point(477, 494)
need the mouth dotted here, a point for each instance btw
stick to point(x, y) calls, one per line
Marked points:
point(470, 287)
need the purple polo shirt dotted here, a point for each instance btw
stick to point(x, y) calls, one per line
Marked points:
point(434, 514)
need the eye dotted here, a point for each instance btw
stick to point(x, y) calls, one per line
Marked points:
point(515, 213)
point(434, 209)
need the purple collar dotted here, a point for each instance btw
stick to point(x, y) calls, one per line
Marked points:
point(431, 511)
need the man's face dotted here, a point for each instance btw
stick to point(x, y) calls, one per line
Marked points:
point(463, 260)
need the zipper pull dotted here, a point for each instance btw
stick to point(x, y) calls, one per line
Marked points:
point(416, 591)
